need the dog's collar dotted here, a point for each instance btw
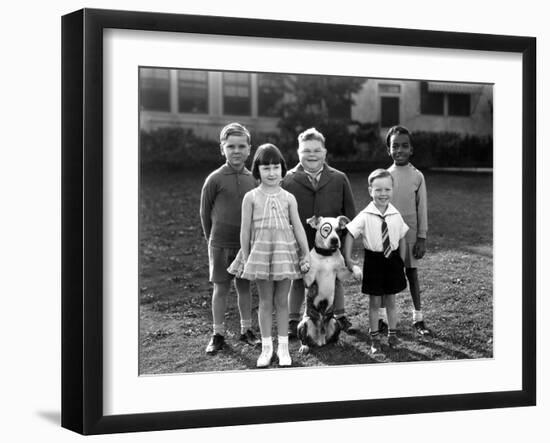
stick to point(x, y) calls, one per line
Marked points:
point(326, 252)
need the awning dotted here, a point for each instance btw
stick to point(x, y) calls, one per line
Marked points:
point(455, 88)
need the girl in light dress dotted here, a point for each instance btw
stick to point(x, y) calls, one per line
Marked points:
point(271, 236)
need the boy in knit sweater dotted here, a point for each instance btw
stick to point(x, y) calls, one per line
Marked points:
point(410, 199)
point(220, 212)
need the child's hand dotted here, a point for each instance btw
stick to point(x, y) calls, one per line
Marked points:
point(304, 265)
point(357, 273)
point(419, 248)
point(354, 269)
point(240, 270)
point(349, 263)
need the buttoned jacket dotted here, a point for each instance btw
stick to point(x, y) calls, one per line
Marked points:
point(330, 198)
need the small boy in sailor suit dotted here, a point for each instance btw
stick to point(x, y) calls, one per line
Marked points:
point(383, 235)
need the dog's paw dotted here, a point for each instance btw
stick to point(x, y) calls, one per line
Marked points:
point(304, 349)
point(357, 273)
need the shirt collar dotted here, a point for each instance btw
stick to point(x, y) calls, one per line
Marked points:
point(372, 209)
point(314, 177)
point(229, 170)
point(313, 174)
point(299, 167)
point(394, 166)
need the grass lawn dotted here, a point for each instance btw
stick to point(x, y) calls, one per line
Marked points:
point(456, 279)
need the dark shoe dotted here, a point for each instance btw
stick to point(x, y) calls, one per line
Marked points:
point(346, 325)
point(249, 338)
point(393, 341)
point(215, 344)
point(382, 326)
point(293, 329)
point(421, 328)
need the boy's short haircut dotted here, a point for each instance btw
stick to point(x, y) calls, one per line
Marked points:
point(379, 173)
point(397, 130)
point(233, 129)
point(311, 134)
point(267, 154)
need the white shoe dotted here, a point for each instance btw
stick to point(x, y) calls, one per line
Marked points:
point(265, 358)
point(284, 357)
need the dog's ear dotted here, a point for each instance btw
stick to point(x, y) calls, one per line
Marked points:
point(342, 221)
point(314, 221)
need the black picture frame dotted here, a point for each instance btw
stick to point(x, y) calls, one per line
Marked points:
point(82, 220)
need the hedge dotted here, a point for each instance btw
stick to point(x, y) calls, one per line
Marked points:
point(178, 148)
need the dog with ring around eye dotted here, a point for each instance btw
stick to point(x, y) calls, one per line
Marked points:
point(318, 326)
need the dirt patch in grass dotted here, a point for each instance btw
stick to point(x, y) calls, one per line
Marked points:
point(456, 278)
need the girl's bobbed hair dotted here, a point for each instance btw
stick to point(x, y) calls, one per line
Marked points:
point(267, 154)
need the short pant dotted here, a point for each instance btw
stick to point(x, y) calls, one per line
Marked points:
point(219, 260)
point(381, 275)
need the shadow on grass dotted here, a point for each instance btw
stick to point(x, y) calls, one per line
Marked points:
point(433, 344)
point(245, 359)
point(341, 353)
point(362, 335)
point(399, 354)
point(482, 353)
point(237, 355)
point(483, 250)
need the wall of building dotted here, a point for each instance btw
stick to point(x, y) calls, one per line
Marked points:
point(367, 108)
point(207, 125)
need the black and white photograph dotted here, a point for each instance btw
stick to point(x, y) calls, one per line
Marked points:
point(244, 267)
point(274, 221)
point(117, 123)
point(287, 221)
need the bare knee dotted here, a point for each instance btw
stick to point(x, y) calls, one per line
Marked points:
point(297, 286)
point(375, 302)
point(280, 303)
point(390, 301)
point(242, 286)
point(221, 289)
point(296, 295)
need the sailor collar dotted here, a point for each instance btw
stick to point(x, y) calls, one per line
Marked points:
point(372, 209)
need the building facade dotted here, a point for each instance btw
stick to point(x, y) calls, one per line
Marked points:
point(204, 101)
point(464, 108)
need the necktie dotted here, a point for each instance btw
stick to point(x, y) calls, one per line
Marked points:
point(385, 238)
point(314, 178)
